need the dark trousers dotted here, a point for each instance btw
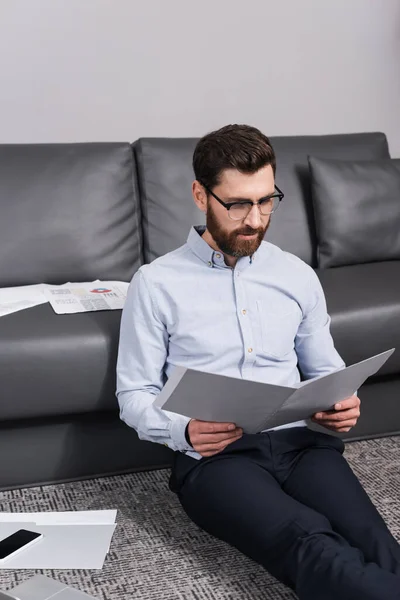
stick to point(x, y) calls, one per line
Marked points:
point(289, 500)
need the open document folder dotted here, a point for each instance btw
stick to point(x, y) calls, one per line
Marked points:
point(71, 540)
point(256, 406)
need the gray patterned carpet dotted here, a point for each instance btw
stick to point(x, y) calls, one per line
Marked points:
point(157, 553)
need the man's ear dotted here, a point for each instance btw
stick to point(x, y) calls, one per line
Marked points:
point(199, 196)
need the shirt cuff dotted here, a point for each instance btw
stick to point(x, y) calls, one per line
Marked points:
point(177, 432)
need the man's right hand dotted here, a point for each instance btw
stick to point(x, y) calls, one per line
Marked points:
point(209, 438)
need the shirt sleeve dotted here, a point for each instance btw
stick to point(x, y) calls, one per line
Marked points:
point(314, 345)
point(142, 354)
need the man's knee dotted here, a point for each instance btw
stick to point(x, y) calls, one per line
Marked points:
point(309, 522)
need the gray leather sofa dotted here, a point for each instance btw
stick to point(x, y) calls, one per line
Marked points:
point(78, 212)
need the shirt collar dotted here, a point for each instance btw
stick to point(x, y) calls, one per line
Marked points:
point(202, 250)
point(199, 246)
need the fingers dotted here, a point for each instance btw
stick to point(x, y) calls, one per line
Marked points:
point(348, 403)
point(343, 418)
point(220, 438)
point(341, 422)
point(212, 427)
point(205, 431)
point(207, 450)
point(209, 438)
point(342, 427)
point(333, 416)
point(214, 438)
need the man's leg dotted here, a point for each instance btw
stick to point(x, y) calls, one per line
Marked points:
point(237, 500)
point(323, 480)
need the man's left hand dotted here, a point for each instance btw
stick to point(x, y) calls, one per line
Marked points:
point(342, 418)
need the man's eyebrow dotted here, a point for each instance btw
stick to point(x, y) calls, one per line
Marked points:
point(237, 199)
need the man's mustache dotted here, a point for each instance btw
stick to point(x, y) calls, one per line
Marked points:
point(249, 232)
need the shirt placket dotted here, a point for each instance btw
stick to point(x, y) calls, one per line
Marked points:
point(243, 315)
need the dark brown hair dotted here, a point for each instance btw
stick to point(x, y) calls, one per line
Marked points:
point(239, 147)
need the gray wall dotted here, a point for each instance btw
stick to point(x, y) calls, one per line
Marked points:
point(81, 70)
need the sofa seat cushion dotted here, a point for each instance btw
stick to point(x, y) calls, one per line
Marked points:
point(364, 303)
point(57, 364)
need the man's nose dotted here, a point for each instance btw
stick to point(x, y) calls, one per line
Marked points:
point(253, 219)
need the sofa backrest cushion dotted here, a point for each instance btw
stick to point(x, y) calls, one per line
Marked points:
point(68, 212)
point(357, 210)
point(168, 211)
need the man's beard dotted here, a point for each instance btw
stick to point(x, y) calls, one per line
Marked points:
point(229, 242)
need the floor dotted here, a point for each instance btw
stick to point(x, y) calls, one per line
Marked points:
point(158, 553)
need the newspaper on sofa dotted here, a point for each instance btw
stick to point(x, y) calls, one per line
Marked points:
point(87, 297)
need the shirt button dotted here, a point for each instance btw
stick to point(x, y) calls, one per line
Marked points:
point(244, 311)
point(218, 255)
point(249, 349)
point(209, 263)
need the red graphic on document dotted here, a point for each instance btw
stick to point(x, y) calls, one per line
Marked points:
point(101, 291)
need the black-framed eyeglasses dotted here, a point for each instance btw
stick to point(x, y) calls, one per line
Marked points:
point(239, 210)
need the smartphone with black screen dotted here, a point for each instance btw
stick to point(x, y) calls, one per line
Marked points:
point(14, 543)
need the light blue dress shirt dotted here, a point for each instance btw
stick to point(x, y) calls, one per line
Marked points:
point(263, 320)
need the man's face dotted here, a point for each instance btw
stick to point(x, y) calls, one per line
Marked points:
point(239, 238)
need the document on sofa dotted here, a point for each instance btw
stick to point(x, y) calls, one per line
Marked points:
point(13, 299)
point(67, 298)
point(257, 406)
point(87, 297)
point(71, 540)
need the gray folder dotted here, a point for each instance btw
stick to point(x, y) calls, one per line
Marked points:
point(256, 406)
